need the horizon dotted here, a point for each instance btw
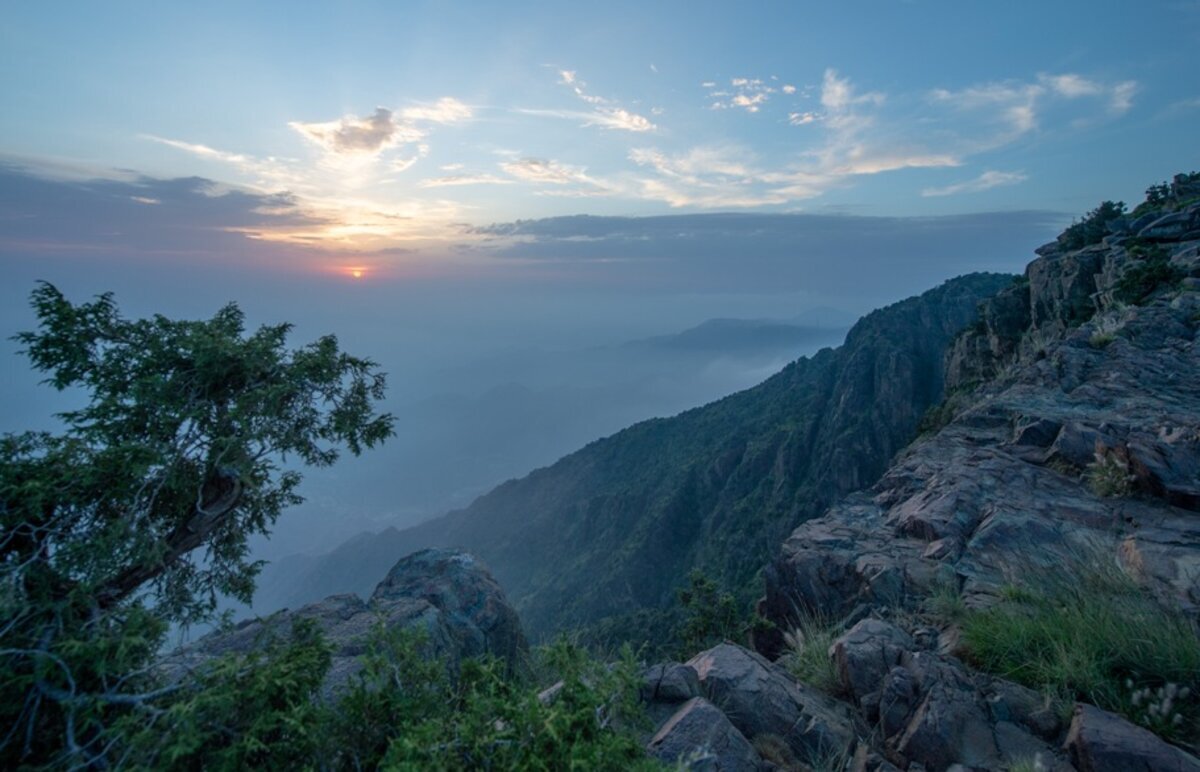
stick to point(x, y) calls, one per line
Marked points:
point(479, 190)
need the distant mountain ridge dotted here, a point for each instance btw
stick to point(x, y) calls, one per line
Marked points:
point(610, 530)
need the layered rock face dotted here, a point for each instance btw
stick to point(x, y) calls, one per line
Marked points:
point(1087, 440)
point(449, 596)
point(1072, 436)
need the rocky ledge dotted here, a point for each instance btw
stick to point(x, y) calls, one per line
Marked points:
point(450, 596)
point(1070, 436)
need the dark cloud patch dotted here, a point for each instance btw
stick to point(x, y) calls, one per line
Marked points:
point(136, 215)
point(843, 254)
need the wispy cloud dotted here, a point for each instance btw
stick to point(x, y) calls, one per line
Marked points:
point(604, 113)
point(548, 172)
point(445, 110)
point(1015, 108)
point(456, 180)
point(985, 181)
point(848, 145)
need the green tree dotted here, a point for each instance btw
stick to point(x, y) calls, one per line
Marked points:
point(138, 514)
point(711, 615)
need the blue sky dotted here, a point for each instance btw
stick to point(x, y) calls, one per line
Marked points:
point(384, 134)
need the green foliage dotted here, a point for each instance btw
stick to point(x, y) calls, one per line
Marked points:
point(139, 513)
point(1093, 227)
point(260, 710)
point(808, 657)
point(1145, 277)
point(491, 722)
point(1092, 633)
point(710, 615)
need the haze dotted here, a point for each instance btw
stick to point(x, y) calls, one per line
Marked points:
point(517, 209)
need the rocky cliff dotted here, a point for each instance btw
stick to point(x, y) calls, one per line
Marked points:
point(615, 527)
point(1069, 443)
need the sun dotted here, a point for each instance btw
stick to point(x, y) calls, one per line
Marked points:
point(355, 271)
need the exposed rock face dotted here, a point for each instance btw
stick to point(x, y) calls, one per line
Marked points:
point(450, 596)
point(1074, 433)
point(702, 738)
point(637, 511)
point(1004, 484)
point(1102, 742)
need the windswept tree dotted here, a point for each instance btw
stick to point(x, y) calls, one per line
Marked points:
point(137, 515)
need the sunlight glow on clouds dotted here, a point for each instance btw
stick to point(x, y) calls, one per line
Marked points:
point(365, 188)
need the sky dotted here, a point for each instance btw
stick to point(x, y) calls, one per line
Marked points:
point(379, 137)
point(438, 182)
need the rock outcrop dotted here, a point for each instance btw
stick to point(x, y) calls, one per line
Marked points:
point(1072, 433)
point(449, 596)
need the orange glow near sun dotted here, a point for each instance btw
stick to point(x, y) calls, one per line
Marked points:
point(355, 271)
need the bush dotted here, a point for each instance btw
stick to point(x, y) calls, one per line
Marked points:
point(710, 615)
point(1090, 632)
point(1093, 227)
point(1145, 277)
point(265, 710)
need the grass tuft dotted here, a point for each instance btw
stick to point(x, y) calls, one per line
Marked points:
point(808, 657)
point(1090, 632)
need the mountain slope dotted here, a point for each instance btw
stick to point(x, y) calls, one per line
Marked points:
point(614, 527)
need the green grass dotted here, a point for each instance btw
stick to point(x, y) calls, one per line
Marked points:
point(1091, 633)
point(807, 658)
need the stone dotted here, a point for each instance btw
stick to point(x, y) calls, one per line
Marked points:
point(699, 737)
point(865, 654)
point(948, 726)
point(762, 700)
point(450, 597)
point(1099, 741)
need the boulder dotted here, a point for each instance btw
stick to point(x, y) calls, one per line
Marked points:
point(1099, 741)
point(761, 700)
point(700, 737)
point(450, 597)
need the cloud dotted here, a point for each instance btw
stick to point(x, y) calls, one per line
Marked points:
point(139, 216)
point(1015, 108)
point(605, 113)
point(749, 94)
point(605, 118)
point(445, 110)
point(354, 135)
point(985, 181)
point(800, 119)
point(547, 172)
point(788, 88)
point(1121, 99)
point(455, 180)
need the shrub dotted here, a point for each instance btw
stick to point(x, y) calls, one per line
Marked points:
point(710, 615)
point(1145, 277)
point(1093, 227)
point(808, 657)
point(1092, 633)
